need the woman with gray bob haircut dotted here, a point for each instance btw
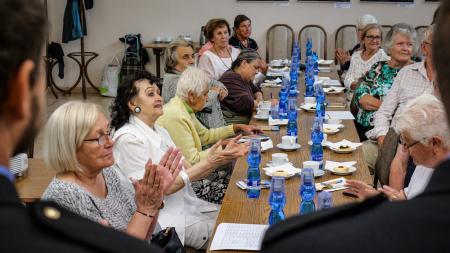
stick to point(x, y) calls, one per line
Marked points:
point(243, 97)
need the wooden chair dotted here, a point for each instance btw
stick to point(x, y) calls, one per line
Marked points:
point(318, 36)
point(385, 29)
point(346, 38)
point(420, 30)
point(279, 42)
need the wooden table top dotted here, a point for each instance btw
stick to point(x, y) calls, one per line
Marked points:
point(237, 208)
point(32, 185)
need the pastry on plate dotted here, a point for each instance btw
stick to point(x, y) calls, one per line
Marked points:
point(341, 169)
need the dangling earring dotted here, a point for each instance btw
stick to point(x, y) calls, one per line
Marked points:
point(137, 109)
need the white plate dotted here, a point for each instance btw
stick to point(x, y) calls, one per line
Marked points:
point(260, 117)
point(325, 62)
point(331, 131)
point(308, 108)
point(269, 164)
point(342, 151)
point(334, 92)
point(288, 176)
point(282, 147)
point(350, 171)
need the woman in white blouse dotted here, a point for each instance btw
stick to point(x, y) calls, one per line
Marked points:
point(138, 139)
point(219, 57)
point(370, 54)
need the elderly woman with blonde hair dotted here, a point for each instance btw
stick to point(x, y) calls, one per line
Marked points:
point(78, 147)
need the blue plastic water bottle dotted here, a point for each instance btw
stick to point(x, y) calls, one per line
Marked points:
point(324, 200)
point(277, 200)
point(253, 173)
point(307, 191)
point(283, 100)
point(316, 139)
point(292, 129)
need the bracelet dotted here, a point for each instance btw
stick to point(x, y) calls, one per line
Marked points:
point(145, 214)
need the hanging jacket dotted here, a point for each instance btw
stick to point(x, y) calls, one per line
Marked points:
point(72, 28)
point(55, 51)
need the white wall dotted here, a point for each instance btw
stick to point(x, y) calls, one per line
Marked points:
point(110, 19)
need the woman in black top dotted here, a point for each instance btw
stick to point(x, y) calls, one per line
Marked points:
point(242, 31)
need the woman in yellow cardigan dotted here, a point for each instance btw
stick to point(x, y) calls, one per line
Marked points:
point(189, 134)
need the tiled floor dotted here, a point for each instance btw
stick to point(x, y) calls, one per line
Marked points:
point(53, 103)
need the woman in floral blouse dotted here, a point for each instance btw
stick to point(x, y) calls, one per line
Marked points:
point(376, 83)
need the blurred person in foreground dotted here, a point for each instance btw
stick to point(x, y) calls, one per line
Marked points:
point(42, 226)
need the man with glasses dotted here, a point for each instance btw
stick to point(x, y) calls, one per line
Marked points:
point(42, 226)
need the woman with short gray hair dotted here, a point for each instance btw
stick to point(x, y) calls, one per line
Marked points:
point(243, 97)
point(377, 82)
point(179, 55)
point(190, 135)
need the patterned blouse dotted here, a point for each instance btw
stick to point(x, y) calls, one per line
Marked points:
point(376, 82)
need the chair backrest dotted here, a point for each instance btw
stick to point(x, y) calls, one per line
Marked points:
point(420, 30)
point(319, 39)
point(345, 37)
point(279, 42)
point(385, 29)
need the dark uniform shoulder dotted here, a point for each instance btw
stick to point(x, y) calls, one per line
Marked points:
point(291, 228)
point(70, 227)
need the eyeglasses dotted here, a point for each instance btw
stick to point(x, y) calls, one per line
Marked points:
point(428, 43)
point(372, 38)
point(102, 139)
point(405, 145)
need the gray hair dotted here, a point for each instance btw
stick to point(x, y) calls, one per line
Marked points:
point(65, 131)
point(400, 29)
point(365, 20)
point(170, 54)
point(245, 55)
point(428, 34)
point(422, 118)
point(192, 80)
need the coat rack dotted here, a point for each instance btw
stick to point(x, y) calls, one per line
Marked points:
point(82, 58)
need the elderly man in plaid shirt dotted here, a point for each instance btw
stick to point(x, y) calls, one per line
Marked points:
point(411, 81)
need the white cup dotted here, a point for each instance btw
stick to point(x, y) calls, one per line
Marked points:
point(279, 158)
point(288, 141)
point(263, 112)
point(158, 39)
point(311, 164)
point(310, 100)
point(334, 121)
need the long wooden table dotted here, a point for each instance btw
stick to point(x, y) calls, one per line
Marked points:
point(237, 208)
point(32, 185)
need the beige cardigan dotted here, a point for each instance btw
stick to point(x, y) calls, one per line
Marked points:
point(187, 132)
